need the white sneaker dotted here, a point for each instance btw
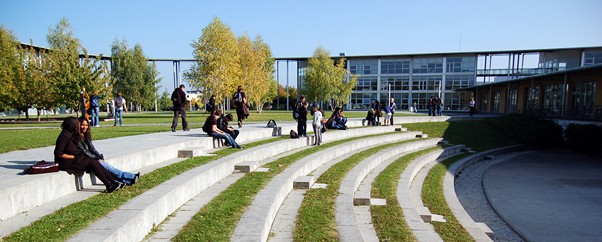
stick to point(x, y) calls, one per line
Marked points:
point(97, 125)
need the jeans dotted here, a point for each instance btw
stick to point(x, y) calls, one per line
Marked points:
point(177, 111)
point(227, 137)
point(318, 134)
point(118, 115)
point(95, 119)
point(302, 126)
point(232, 133)
point(119, 175)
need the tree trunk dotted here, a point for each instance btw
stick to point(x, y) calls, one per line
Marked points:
point(39, 115)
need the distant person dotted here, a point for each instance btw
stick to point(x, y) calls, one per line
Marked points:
point(210, 107)
point(67, 155)
point(178, 97)
point(222, 124)
point(120, 107)
point(377, 112)
point(210, 127)
point(388, 115)
point(84, 102)
point(370, 119)
point(87, 148)
point(393, 108)
point(317, 125)
point(301, 108)
point(471, 105)
point(241, 105)
point(95, 106)
point(438, 105)
point(415, 107)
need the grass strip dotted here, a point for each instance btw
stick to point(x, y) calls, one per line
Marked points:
point(217, 220)
point(388, 220)
point(69, 220)
point(433, 198)
point(316, 220)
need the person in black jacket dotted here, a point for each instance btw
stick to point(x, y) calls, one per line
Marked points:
point(178, 97)
point(301, 107)
point(222, 124)
point(69, 157)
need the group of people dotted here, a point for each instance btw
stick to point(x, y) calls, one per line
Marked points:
point(434, 106)
point(376, 111)
point(74, 151)
point(90, 107)
point(301, 110)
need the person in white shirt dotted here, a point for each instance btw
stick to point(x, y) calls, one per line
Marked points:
point(317, 124)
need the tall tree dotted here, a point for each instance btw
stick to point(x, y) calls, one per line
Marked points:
point(133, 75)
point(342, 88)
point(257, 68)
point(217, 68)
point(8, 64)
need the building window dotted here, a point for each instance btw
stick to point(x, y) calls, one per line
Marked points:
point(363, 67)
point(461, 64)
point(366, 84)
point(457, 82)
point(533, 99)
point(426, 83)
point(497, 96)
point(592, 58)
point(427, 65)
point(513, 101)
point(552, 100)
point(397, 83)
point(583, 99)
point(395, 67)
point(362, 101)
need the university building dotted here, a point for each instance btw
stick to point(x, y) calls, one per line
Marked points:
point(544, 81)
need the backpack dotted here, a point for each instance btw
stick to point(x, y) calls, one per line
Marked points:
point(119, 102)
point(175, 96)
point(294, 135)
point(236, 97)
point(295, 113)
point(207, 125)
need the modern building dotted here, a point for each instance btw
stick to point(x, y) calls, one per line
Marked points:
point(416, 77)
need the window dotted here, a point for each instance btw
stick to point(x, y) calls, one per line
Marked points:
point(427, 65)
point(397, 83)
point(395, 66)
point(583, 98)
point(496, 102)
point(366, 84)
point(363, 67)
point(592, 58)
point(461, 64)
point(426, 83)
point(552, 100)
point(362, 101)
point(512, 101)
point(457, 82)
point(533, 99)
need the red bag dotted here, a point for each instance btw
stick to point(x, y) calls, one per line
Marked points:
point(42, 167)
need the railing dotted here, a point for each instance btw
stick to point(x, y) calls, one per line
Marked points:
point(520, 72)
point(585, 113)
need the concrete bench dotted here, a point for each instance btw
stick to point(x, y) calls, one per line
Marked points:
point(79, 178)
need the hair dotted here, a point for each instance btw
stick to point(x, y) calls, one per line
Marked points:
point(71, 125)
point(313, 110)
point(218, 111)
point(182, 86)
point(240, 87)
point(88, 133)
point(229, 117)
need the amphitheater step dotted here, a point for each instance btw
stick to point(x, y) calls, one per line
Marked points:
point(303, 182)
point(486, 229)
point(424, 136)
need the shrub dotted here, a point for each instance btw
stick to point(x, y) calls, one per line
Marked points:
point(528, 130)
point(584, 138)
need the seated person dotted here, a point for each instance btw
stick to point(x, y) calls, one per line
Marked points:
point(69, 157)
point(88, 149)
point(338, 120)
point(222, 124)
point(370, 117)
point(210, 127)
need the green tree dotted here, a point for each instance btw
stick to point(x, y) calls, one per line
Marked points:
point(164, 101)
point(133, 76)
point(9, 63)
point(325, 81)
point(344, 86)
point(217, 67)
point(257, 69)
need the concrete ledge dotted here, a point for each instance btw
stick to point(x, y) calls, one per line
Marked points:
point(449, 190)
point(257, 220)
point(303, 182)
point(486, 229)
point(347, 224)
point(245, 166)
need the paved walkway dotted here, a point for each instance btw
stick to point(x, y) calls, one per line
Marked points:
point(549, 195)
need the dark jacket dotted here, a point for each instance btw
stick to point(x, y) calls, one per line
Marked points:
point(302, 110)
point(87, 148)
point(178, 97)
point(66, 143)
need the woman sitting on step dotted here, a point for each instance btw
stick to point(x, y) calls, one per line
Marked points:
point(69, 157)
point(88, 149)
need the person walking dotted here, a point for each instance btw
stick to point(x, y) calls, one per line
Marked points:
point(210, 107)
point(317, 125)
point(120, 107)
point(178, 97)
point(301, 107)
point(471, 105)
point(240, 103)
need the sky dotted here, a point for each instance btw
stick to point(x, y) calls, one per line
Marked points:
point(165, 29)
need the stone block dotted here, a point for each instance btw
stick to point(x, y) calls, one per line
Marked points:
point(303, 182)
point(443, 142)
point(425, 214)
point(378, 201)
point(424, 136)
point(245, 168)
point(277, 131)
point(438, 218)
point(361, 199)
point(401, 129)
point(319, 186)
point(486, 229)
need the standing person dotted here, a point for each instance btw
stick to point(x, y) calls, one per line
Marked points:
point(301, 107)
point(87, 148)
point(68, 155)
point(393, 107)
point(430, 106)
point(415, 107)
point(210, 107)
point(377, 112)
point(210, 127)
point(471, 105)
point(317, 125)
point(222, 124)
point(84, 102)
point(120, 107)
point(178, 97)
point(438, 103)
point(388, 115)
point(95, 106)
point(240, 103)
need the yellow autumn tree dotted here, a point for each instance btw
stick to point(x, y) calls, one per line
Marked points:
point(256, 64)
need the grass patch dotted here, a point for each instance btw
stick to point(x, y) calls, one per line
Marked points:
point(433, 198)
point(388, 220)
point(316, 220)
point(69, 220)
point(217, 220)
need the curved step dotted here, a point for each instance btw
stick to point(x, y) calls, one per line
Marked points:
point(347, 225)
point(256, 222)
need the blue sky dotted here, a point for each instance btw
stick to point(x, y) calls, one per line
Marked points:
point(165, 29)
